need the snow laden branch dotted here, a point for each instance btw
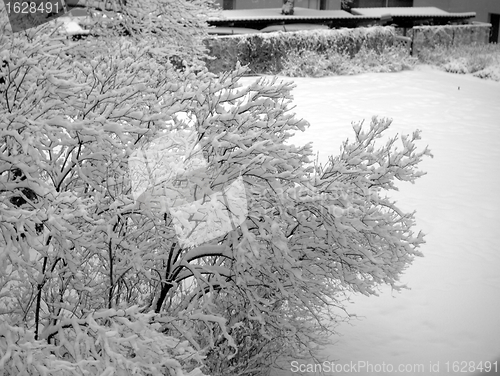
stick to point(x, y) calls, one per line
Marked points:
point(175, 29)
point(309, 237)
point(109, 342)
point(73, 241)
point(348, 211)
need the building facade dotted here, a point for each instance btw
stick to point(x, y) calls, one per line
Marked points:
point(483, 8)
point(381, 3)
point(312, 4)
point(486, 10)
point(259, 4)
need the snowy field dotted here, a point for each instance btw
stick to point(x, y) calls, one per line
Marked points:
point(451, 315)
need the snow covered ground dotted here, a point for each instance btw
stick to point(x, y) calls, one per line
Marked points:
point(451, 315)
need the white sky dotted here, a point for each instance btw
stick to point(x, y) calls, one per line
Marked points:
point(452, 312)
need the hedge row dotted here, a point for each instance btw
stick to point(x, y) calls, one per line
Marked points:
point(266, 52)
point(425, 37)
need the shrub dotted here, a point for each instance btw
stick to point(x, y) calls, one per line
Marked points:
point(313, 64)
point(94, 280)
point(481, 60)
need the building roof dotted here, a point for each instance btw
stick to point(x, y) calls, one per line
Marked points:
point(274, 14)
point(424, 12)
point(404, 17)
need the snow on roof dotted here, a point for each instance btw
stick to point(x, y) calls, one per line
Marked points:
point(409, 12)
point(275, 14)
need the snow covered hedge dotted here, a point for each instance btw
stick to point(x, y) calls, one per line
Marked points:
point(265, 52)
point(429, 37)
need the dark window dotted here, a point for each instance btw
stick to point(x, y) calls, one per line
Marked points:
point(495, 27)
point(400, 3)
point(228, 4)
point(382, 3)
point(368, 3)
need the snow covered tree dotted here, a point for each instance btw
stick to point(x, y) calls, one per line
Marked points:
point(65, 111)
point(95, 279)
point(175, 28)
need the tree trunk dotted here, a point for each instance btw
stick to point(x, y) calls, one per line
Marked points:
point(287, 7)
